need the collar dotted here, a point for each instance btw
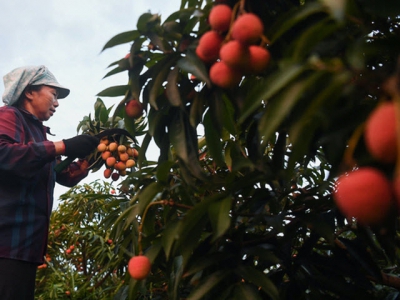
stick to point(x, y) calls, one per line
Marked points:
point(27, 114)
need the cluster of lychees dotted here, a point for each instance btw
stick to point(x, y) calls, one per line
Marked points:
point(232, 46)
point(117, 158)
point(367, 193)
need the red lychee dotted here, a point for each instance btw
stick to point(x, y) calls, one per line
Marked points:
point(258, 59)
point(380, 133)
point(235, 54)
point(247, 28)
point(220, 17)
point(224, 76)
point(139, 267)
point(209, 45)
point(365, 194)
point(134, 109)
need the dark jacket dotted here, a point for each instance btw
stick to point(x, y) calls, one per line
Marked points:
point(27, 181)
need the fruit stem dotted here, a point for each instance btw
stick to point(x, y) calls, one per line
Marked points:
point(348, 159)
point(235, 10)
point(242, 9)
point(264, 41)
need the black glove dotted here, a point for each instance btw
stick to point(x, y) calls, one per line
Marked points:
point(81, 145)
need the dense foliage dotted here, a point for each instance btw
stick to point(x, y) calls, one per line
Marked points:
point(239, 205)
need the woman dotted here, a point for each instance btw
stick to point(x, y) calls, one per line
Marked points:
point(27, 177)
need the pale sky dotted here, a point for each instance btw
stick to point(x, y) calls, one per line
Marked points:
point(67, 36)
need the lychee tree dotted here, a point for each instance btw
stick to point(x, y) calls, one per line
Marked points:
point(82, 261)
point(240, 203)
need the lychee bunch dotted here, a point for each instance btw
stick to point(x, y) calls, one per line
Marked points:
point(367, 194)
point(232, 46)
point(117, 158)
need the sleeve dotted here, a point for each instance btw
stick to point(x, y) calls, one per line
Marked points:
point(18, 155)
point(73, 174)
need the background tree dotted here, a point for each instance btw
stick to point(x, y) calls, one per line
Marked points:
point(239, 204)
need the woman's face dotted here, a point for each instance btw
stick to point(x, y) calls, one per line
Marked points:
point(43, 102)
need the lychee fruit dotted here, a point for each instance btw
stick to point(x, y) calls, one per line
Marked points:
point(247, 28)
point(115, 176)
point(110, 161)
point(224, 76)
point(134, 108)
point(380, 133)
point(101, 147)
point(234, 54)
point(209, 45)
point(259, 58)
point(139, 267)
point(130, 163)
point(113, 146)
point(365, 194)
point(220, 17)
point(107, 173)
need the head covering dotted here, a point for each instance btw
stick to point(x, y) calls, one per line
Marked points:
point(18, 79)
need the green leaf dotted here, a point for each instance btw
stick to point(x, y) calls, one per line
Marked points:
point(213, 138)
point(182, 13)
point(172, 89)
point(169, 235)
point(312, 36)
point(122, 38)
point(114, 91)
point(246, 291)
point(279, 108)
point(161, 69)
point(135, 77)
point(159, 42)
point(98, 108)
point(302, 131)
point(204, 262)
point(208, 284)
point(148, 194)
point(197, 108)
point(290, 20)
point(270, 88)
point(191, 63)
point(164, 171)
point(219, 213)
point(195, 218)
point(259, 279)
point(147, 21)
point(184, 141)
point(114, 71)
point(228, 113)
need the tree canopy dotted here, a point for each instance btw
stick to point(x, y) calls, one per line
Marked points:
point(239, 204)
